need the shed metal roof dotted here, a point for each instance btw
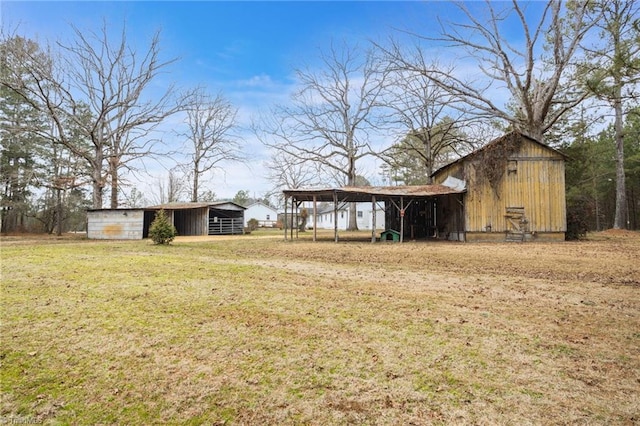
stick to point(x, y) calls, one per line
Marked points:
point(364, 193)
point(178, 206)
point(187, 206)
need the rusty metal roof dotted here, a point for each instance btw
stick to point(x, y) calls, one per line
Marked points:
point(364, 193)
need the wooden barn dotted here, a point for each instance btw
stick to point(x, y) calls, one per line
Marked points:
point(217, 218)
point(515, 190)
point(511, 189)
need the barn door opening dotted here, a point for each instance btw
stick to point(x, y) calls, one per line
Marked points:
point(517, 224)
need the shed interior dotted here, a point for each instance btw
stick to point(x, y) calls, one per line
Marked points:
point(226, 222)
point(415, 212)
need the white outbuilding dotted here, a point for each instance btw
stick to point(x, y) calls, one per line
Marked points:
point(266, 215)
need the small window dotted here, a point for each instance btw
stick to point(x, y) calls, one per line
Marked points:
point(359, 213)
point(512, 166)
point(268, 218)
point(341, 215)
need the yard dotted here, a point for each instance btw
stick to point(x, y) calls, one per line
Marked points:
point(254, 330)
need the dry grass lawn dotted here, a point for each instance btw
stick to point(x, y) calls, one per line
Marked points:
point(254, 330)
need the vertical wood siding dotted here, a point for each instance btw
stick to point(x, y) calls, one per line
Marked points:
point(533, 179)
point(191, 221)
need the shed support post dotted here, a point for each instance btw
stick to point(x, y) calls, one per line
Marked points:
point(315, 217)
point(401, 219)
point(435, 217)
point(297, 218)
point(293, 219)
point(373, 219)
point(285, 217)
point(335, 216)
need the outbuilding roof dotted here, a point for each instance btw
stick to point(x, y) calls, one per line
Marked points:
point(364, 193)
point(187, 206)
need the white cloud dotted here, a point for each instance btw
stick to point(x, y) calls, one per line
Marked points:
point(260, 81)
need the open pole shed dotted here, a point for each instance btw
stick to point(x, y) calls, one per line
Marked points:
point(411, 211)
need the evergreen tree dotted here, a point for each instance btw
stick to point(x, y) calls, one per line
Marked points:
point(20, 143)
point(242, 198)
point(591, 174)
point(161, 230)
point(611, 72)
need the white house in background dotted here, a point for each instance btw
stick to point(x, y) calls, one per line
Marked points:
point(364, 214)
point(265, 215)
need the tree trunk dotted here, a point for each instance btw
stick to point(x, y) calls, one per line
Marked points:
point(114, 185)
point(97, 190)
point(196, 175)
point(620, 220)
point(353, 208)
point(59, 211)
point(96, 175)
point(535, 131)
point(428, 151)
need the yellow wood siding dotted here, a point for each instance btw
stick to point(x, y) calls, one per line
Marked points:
point(533, 179)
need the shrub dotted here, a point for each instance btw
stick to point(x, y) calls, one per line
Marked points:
point(252, 224)
point(161, 231)
point(576, 224)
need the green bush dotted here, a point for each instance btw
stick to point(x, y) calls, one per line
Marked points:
point(161, 230)
point(253, 224)
point(577, 226)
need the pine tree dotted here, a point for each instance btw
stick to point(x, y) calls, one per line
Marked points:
point(161, 230)
point(611, 73)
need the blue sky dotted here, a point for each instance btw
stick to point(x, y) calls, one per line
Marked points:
point(221, 43)
point(246, 50)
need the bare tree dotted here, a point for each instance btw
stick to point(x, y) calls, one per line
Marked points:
point(534, 73)
point(329, 121)
point(429, 122)
point(611, 73)
point(104, 88)
point(115, 81)
point(287, 172)
point(169, 190)
point(135, 199)
point(209, 141)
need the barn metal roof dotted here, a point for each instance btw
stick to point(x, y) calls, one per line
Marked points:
point(364, 193)
point(187, 206)
point(178, 206)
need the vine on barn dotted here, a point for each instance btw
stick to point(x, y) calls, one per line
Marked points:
point(490, 163)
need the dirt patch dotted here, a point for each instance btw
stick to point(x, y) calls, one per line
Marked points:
point(617, 233)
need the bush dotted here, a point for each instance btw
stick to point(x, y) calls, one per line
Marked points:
point(576, 223)
point(252, 224)
point(161, 231)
